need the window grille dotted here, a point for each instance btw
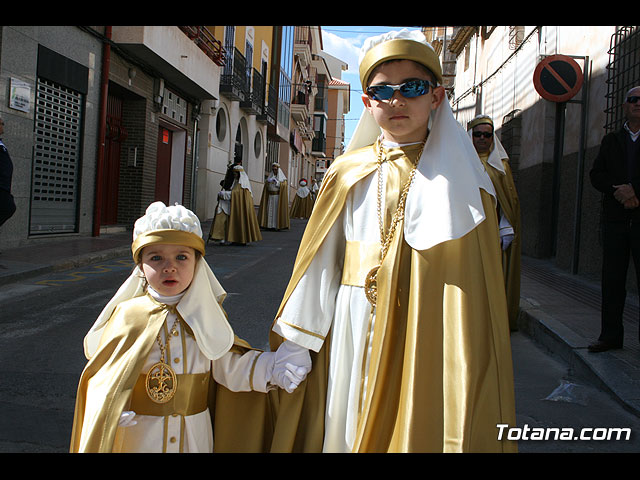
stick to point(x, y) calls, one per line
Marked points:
point(623, 73)
point(516, 37)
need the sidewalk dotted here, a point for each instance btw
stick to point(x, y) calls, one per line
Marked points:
point(21, 263)
point(558, 310)
point(562, 312)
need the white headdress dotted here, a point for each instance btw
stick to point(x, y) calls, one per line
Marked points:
point(444, 201)
point(280, 176)
point(243, 180)
point(200, 306)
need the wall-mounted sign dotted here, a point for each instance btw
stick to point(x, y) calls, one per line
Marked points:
point(20, 95)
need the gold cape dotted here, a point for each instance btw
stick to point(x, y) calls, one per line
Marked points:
point(241, 420)
point(511, 257)
point(243, 225)
point(283, 207)
point(441, 374)
point(301, 207)
point(219, 226)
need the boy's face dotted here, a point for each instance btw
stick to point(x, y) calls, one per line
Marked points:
point(403, 120)
point(169, 269)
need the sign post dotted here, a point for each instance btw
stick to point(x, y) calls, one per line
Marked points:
point(557, 78)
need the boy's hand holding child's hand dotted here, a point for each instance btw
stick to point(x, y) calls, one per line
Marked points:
point(291, 364)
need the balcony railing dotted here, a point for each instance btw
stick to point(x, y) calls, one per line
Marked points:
point(300, 106)
point(254, 100)
point(319, 143)
point(269, 111)
point(303, 35)
point(203, 38)
point(233, 82)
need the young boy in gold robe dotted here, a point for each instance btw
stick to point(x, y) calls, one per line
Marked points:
point(397, 289)
point(163, 359)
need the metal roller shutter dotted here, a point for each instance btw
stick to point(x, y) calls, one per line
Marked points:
point(56, 159)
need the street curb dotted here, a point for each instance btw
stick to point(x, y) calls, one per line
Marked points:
point(601, 369)
point(65, 264)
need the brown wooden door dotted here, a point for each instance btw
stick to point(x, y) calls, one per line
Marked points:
point(163, 166)
point(115, 135)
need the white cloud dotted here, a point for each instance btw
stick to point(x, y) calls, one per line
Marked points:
point(345, 45)
point(345, 49)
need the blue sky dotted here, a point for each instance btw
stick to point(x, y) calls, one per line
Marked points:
point(344, 43)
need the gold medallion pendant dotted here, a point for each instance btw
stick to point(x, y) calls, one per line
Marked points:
point(161, 383)
point(371, 280)
point(371, 285)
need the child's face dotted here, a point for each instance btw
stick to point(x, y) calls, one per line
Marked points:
point(403, 120)
point(169, 269)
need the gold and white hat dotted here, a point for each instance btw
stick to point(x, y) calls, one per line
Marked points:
point(480, 120)
point(174, 225)
point(201, 304)
point(449, 173)
point(398, 45)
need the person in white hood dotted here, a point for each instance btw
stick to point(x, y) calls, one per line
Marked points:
point(397, 289)
point(160, 342)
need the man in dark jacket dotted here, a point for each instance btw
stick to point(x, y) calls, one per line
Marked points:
point(616, 173)
point(7, 205)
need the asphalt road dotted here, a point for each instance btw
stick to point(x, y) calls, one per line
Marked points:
point(43, 321)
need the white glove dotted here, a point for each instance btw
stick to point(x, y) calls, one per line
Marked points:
point(507, 233)
point(127, 419)
point(506, 240)
point(292, 363)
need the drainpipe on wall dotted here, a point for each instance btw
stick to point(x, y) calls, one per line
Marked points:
point(102, 128)
point(584, 105)
point(194, 159)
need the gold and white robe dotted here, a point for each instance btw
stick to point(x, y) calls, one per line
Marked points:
point(242, 225)
point(225, 409)
point(501, 176)
point(302, 204)
point(274, 203)
point(185, 433)
point(430, 370)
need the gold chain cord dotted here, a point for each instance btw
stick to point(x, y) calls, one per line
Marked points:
point(385, 240)
point(170, 334)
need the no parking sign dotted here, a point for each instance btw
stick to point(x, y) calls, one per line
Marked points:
point(557, 78)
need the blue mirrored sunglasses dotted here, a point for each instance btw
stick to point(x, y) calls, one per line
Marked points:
point(633, 99)
point(410, 89)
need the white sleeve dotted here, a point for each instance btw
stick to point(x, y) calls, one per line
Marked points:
point(243, 373)
point(307, 316)
point(505, 226)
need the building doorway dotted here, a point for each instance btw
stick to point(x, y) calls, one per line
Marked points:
point(163, 166)
point(170, 164)
point(116, 134)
